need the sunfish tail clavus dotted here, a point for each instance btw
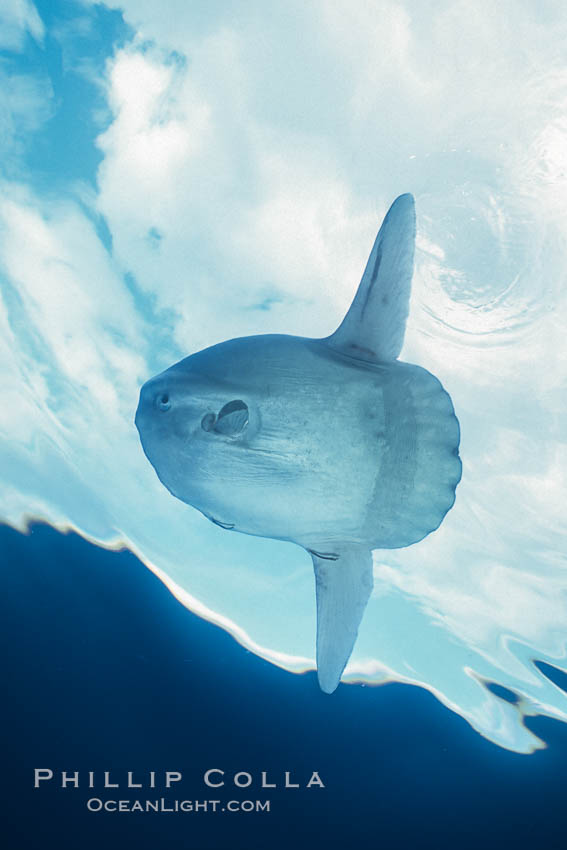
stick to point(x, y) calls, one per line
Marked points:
point(330, 443)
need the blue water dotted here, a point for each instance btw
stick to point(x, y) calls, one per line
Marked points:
point(104, 670)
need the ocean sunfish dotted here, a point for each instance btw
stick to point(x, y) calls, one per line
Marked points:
point(330, 443)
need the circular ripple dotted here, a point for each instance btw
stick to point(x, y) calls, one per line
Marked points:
point(481, 264)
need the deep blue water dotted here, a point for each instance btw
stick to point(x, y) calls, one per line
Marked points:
point(104, 670)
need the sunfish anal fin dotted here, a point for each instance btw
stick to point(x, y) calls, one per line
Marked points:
point(374, 327)
point(343, 587)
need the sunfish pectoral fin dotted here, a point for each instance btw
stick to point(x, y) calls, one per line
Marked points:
point(343, 586)
point(374, 327)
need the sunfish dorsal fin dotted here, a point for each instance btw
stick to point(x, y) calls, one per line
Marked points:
point(374, 327)
point(343, 586)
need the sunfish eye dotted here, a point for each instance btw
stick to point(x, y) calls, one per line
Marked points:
point(163, 402)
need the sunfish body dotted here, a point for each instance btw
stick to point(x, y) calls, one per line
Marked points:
point(331, 443)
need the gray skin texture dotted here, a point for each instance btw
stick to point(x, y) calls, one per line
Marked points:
point(335, 450)
point(331, 443)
